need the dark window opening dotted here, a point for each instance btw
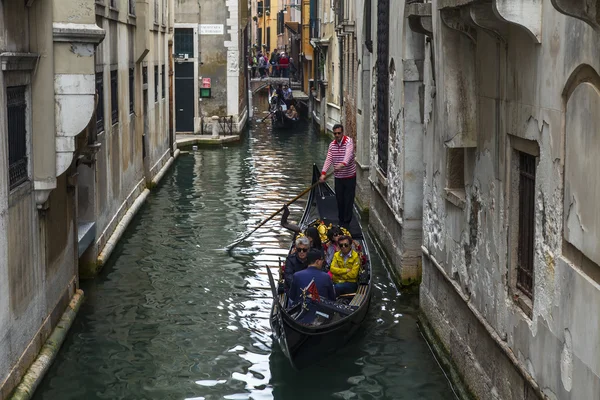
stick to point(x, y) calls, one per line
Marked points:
point(280, 22)
point(156, 11)
point(131, 90)
point(17, 135)
point(526, 223)
point(383, 21)
point(164, 74)
point(267, 5)
point(113, 3)
point(184, 42)
point(259, 8)
point(155, 83)
point(145, 75)
point(100, 105)
point(455, 178)
point(114, 96)
point(368, 26)
point(131, 7)
point(268, 38)
point(259, 37)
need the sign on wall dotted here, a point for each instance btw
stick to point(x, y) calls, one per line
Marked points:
point(211, 29)
point(206, 82)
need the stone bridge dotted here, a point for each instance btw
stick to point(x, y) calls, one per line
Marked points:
point(257, 84)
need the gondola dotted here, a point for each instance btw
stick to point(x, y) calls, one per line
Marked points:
point(278, 111)
point(336, 322)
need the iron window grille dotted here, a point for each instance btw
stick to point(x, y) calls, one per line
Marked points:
point(17, 135)
point(131, 90)
point(383, 21)
point(163, 80)
point(100, 105)
point(184, 42)
point(114, 97)
point(156, 83)
point(525, 276)
point(131, 7)
point(145, 75)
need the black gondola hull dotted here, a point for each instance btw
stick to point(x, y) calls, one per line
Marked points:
point(304, 345)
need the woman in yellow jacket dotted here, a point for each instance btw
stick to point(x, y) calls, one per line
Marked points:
point(345, 267)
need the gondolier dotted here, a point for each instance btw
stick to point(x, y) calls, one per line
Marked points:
point(341, 155)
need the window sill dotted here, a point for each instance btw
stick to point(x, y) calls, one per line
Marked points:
point(456, 197)
point(383, 181)
point(523, 302)
point(17, 193)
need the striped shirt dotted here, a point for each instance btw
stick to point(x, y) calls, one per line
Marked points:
point(341, 153)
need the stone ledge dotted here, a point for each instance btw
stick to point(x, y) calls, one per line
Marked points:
point(189, 140)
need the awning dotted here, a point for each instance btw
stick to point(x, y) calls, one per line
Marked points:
point(293, 26)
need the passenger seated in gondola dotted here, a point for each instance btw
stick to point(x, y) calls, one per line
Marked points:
point(296, 260)
point(292, 113)
point(303, 279)
point(311, 232)
point(333, 234)
point(345, 267)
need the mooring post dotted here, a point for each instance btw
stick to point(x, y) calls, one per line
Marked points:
point(215, 127)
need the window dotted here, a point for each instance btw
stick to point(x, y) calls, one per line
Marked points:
point(17, 135)
point(100, 105)
point(383, 20)
point(113, 4)
point(267, 6)
point(280, 22)
point(526, 223)
point(184, 42)
point(164, 12)
point(131, 90)
point(164, 74)
point(259, 8)
point(155, 83)
point(131, 7)
point(259, 37)
point(156, 11)
point(268, 38)
point(114, 96)
point(368, 37)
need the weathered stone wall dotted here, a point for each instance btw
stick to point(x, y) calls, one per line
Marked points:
point(530, 86)
point(220, 56)
point(123, 165)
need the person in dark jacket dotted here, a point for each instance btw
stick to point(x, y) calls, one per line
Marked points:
point(296, 261)
point(314, 271)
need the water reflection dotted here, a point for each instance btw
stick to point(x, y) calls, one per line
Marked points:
point(173, 316)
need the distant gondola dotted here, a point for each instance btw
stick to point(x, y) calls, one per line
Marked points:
point(335, 322)
point(278, 110)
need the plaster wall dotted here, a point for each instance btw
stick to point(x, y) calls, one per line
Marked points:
point(123, 166)
point(220, 56)
point(542, 96)
point(38, 269)
point(397, 193)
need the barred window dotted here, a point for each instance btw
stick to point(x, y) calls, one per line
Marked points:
point(164, 74)
point(155, 83)
point(131, 90)
point(114, 96)
point(525, 276)
point(17, 135)
point(100, 106)
point(383, 20)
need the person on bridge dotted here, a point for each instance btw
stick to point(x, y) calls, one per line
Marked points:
point(313, 272)
point(341, 155)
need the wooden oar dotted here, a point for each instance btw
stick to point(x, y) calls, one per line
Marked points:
point(308, 189)
point(263, 120)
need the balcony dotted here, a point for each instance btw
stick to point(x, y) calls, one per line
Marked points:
point(585, 10)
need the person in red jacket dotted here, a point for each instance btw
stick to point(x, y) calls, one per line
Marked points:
point(340, 155)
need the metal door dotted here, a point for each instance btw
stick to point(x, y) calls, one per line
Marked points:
point(184, 97)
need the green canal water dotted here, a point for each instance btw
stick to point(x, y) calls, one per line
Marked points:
point(173, 316)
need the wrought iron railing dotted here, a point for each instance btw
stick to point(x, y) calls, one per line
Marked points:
point(17, 135)
point(226, 125)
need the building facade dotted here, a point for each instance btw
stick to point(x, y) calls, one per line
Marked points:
point(47, 58)
point(212, 39)
point(511, 258)
point(78, 169)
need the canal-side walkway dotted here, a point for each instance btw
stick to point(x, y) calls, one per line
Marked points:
point(208, 140)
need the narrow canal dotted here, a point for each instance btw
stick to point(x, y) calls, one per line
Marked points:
point(173, 316)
